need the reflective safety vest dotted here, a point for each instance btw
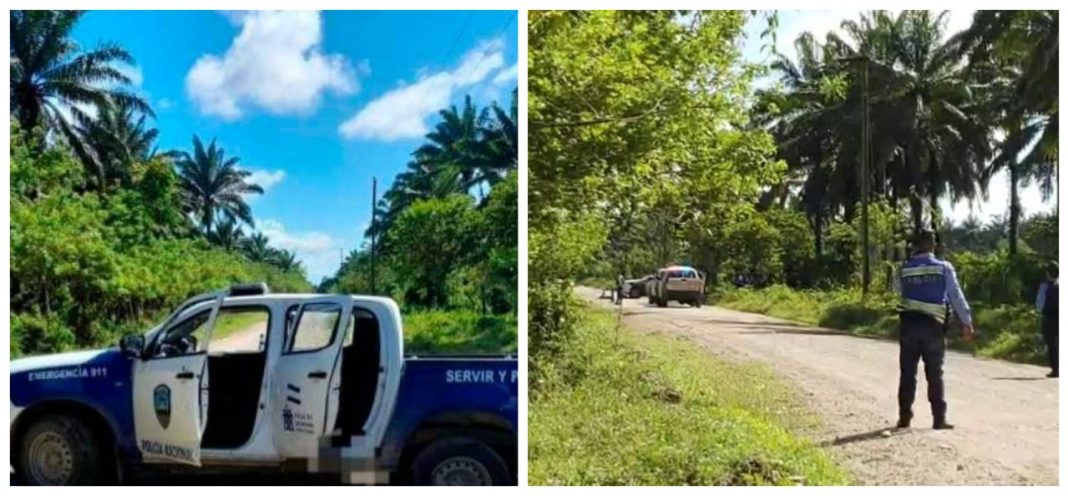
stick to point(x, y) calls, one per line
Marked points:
point(923, 287)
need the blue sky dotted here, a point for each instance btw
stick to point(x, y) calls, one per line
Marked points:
point(794, 22)
point(314, 104)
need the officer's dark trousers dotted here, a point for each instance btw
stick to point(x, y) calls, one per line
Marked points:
point(1050, 336)
point(921, 337)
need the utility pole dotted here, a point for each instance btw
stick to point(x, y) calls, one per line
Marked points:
point(374, 200)
point(865, 170)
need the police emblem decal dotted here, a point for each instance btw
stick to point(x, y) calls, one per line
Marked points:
point(161, 400)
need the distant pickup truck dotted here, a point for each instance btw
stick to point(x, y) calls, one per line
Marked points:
point(245, 378)
point(677, 283)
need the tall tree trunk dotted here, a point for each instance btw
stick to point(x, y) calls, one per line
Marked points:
point(916, 210)
point(1014, 207)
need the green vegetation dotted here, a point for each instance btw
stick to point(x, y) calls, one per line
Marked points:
point(458, 331)
point(619, 408)
point(1008, 332)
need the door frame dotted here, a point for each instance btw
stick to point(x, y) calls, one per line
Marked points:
point(204, 381)
point(276, 404)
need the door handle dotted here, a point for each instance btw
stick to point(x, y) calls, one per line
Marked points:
point(184, 375)
point(318, 374)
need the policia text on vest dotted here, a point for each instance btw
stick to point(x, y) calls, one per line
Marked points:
point(928, 288)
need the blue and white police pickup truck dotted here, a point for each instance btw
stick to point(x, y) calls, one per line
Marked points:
point(280, 382)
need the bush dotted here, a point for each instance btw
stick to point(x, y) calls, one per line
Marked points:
point(442, 331)
point(1008, 332)
point(617, 408)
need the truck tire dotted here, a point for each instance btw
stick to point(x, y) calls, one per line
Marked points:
point(460, 461)
point(697, 302)
point(58, 450)
point(635, 293)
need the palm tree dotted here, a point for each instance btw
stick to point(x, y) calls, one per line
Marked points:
point(286, 261)
point(453, 148)
point(256, 248)
point(500, 141)
point(928, 135)
point(52, 79)
point(1016, 53)
point(213, 186)
point(227, 235)
point(118, 138)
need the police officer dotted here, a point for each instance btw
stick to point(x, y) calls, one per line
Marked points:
point(619, 289)
point(928, 287)
point(1047, 307)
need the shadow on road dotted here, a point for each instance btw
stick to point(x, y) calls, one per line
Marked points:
point(881, 433)
point(1019, 378)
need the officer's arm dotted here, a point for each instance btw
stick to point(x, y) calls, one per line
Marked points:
point(956, 296)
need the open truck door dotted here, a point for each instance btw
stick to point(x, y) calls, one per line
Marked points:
point(303, 401)
point(170, 386)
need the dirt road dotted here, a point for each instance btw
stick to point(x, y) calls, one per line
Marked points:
point(1005, 413)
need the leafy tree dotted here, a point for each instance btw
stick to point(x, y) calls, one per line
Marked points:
point(429, 240)
point(633, 116)
point(213, 187)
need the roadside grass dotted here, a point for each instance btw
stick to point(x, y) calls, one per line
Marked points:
point(1007, 332)
point(623, 408)
point(459, 331)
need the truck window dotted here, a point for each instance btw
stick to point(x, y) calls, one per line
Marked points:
point(240, 330)
point(185, 337)
point(315, 327)
point(237, 329)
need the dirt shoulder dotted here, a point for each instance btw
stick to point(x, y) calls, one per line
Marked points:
point(1005, 413)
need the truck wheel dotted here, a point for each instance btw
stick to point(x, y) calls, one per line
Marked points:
point(697, 303)
point(59, 450)
point(635, 293)
point(460, 461)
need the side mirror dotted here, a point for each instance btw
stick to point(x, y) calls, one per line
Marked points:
point(132, 345)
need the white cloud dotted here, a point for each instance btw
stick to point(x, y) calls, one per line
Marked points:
point(275, 63)
point(317, 251)
point(402, 112)
point(265, 178)
point(506, 75)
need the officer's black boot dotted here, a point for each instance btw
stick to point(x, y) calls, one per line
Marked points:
point(904, 419)
point(940, 423)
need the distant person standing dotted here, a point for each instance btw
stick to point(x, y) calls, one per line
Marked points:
point(1047, 309)
point(619, 289)
point(928, 286)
